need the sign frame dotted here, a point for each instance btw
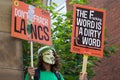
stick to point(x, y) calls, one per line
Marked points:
point(81, 49)
point(30, 23)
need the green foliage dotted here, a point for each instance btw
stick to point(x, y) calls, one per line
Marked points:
point(61, 38)
point(79, 2)
point(108, 50)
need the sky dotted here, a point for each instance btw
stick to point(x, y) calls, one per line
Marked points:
point(59, 2)
point(61, 5)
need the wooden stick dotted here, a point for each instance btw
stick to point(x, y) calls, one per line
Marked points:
point(84, 67)
point(31, 51)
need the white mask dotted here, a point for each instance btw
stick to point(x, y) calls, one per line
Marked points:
point(48, 57)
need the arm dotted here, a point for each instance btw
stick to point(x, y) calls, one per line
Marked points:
point(61, 76)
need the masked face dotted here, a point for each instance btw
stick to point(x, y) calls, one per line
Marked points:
point(48, 57)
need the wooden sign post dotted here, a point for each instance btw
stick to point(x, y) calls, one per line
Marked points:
point(88, 32)
point(84, 67)
point(83, 74)
point(31, 51)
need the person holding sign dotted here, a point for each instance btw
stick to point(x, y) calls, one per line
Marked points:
point(48, 66)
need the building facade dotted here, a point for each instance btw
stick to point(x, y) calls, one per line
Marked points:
point(11, 66)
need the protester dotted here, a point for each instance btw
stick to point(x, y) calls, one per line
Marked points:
point(48, 66)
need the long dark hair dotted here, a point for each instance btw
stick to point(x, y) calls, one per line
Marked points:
point(55, 67)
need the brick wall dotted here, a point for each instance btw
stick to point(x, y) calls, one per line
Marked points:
point(109, 68)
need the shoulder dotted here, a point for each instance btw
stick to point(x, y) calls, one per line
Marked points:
point(59, 75)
